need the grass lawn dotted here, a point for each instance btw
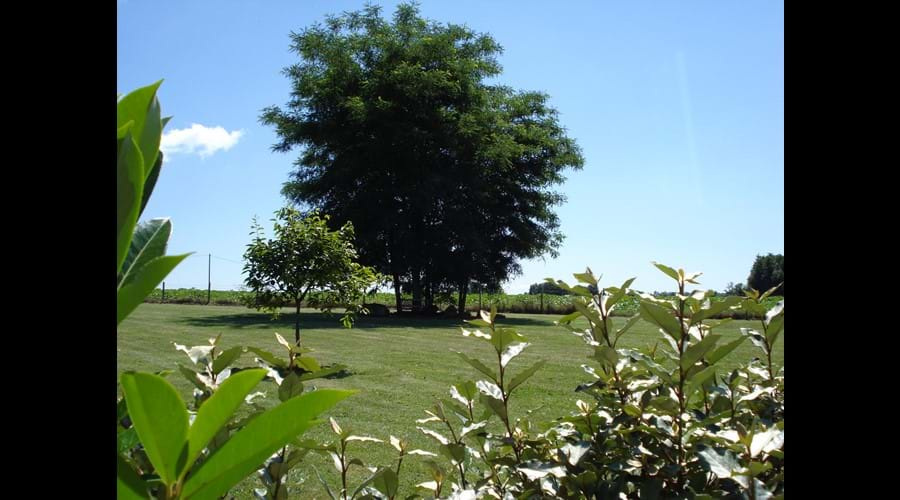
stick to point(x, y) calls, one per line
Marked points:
point(399, 366)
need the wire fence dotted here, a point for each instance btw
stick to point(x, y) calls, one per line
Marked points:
point(224, 285)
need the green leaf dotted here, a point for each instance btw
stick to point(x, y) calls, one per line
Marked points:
point(226, 358)
point(325, 484)
point(696, 351)
point(618, 294)
point(586, 277)
point(775, 327)
point(494, 405)
point(290, 387)
point(133, 294)
point(669, 271)
point(365, 483)
point(722, 351)
point(715, 308)
point(129, 186)
point(150, 183)
point(568, 318)
point(661, 317)
point(142, 107)
point(632, 410)
point(770, 291)
point(148, 242)
point(479, 323)
point(453, 451)
point(478, 365)
point(627, 326)
point(524, 375)
point(606, 355)
point(249, 447)
point(128, 484)
point(121, 409)
point(722, 464)
point(216, 411)
point(307, 363)
point(664, 403)
point(698, 380)
point(126, 440)
point(387, 482)
point(268, 357)
point(192, 377)
point(587, 311)
point(161, 421)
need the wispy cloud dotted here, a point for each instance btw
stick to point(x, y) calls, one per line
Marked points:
point(199, 139)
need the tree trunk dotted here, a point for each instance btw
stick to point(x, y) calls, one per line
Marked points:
point(397, 295)
point(416, 283)
point(429, 292)
point(463, 291)
point(297, 324)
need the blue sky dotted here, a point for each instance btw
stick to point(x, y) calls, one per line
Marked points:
point(678, 107)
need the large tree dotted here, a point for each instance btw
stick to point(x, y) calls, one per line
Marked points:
point(767, 272)
point(446, 178)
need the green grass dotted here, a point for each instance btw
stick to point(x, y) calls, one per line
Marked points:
point(399, 366)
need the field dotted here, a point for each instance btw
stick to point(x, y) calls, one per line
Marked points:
point(399, 365)
point(506, 303)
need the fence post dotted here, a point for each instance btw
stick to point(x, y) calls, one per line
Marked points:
point(164, 292)
point(209, 279)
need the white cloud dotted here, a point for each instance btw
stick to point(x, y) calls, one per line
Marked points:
point(199, 139)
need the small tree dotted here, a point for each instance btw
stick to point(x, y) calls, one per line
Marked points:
point(546, 288)
point(305, 256)
point(734, 289)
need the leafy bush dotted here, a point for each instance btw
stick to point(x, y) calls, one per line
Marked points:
point(660, 422)
point(164, 451)
point(664, 422)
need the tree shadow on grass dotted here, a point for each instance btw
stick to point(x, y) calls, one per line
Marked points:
point(311, 320)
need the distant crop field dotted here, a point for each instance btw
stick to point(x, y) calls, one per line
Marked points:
point(506, 303)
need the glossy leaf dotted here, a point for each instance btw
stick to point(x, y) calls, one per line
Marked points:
point(133, 294)
point(129, 186)
point(148, 242)
point(150, 183)
point(225, 358)
point(661, 317)
point(695, 352)
point(668, 271)
point(219, 408)
point(478, 365)
point(524, 375)
point(142, 107)
point(129, 486)
point(261, 437)
point(720, 352)
point(161, 421)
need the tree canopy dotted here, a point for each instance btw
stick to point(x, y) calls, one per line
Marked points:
point(767, 272)
point(447, 178)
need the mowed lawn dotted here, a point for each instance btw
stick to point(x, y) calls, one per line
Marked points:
point(398, 365)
